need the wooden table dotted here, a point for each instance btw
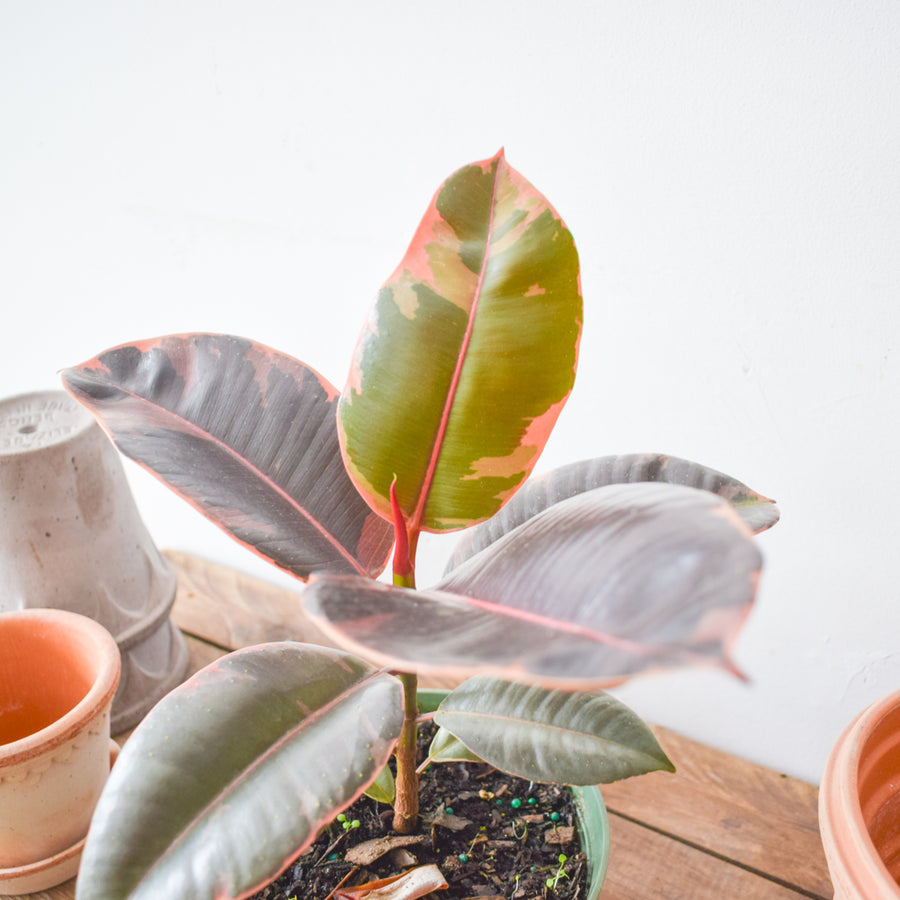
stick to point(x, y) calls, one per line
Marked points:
point(719, 829)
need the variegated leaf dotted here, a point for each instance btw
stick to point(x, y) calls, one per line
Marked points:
point(248, 436)
point(232, 774)
point(542, 491)
point(591, 591)
point(468, 355)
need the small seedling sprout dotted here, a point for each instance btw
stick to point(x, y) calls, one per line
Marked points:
point(553, 880)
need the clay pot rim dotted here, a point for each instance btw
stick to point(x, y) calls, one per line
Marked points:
point(839, 797)
point(98, 697)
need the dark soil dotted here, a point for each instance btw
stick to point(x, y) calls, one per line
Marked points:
point(491, 835)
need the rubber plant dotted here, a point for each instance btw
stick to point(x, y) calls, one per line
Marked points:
point(567, 584)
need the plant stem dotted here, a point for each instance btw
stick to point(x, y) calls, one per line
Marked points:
point(406, 803)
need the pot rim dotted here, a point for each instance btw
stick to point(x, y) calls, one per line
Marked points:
point(104, 651)
point(839, 801)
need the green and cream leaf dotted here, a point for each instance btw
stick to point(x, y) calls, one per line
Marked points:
point(468, 354)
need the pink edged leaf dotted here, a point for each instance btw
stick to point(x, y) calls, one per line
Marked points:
point(232, 774)
point(248, 436)
point(468, 354)
point(417, 882)
point(595, 589)
point(542, 491)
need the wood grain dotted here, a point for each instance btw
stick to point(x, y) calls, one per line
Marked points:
point(646, 865)
point(65, 891)
point(234, 610)
point(761, 819)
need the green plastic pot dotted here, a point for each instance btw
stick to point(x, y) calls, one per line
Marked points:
point(590, 810)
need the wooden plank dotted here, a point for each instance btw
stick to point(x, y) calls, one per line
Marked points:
point(763, 820)
point(65, 891)
point(646, 865)
point(200, 653)
point(235, 610)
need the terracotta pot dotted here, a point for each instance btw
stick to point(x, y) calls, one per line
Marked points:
point(72, 539)
point(58, 674)
point(859, 805)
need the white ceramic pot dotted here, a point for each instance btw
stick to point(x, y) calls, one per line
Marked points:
point(58, 674)
point(72, 538)
point(859, 805)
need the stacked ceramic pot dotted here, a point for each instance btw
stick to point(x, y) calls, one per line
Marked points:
point(72, 539)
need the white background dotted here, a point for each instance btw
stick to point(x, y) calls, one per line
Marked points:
point(730, 171)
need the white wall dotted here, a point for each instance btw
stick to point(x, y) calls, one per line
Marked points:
point(729, 170)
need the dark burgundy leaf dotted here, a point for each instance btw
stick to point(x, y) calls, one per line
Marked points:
point(245, 434)
point(594, 589)
point(542, 491)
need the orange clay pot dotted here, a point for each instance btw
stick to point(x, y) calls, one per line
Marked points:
point(58, 675)
point(859, 805)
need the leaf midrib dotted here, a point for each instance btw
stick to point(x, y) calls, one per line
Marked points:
point(233, 785)
point(531, 723)
point(242, 460)
point(415, 523)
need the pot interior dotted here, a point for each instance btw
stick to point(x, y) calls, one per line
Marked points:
point(45, 671)
point(879, 789)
